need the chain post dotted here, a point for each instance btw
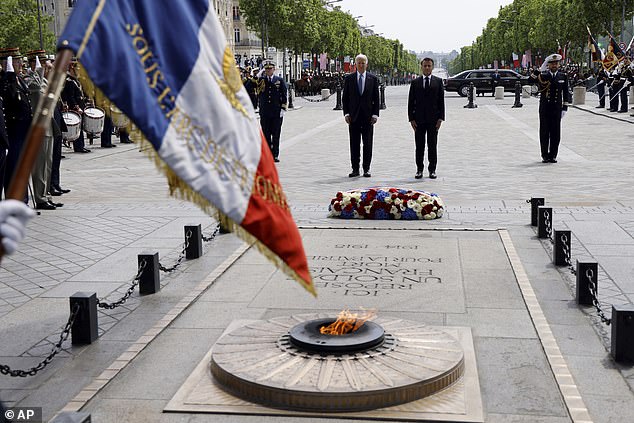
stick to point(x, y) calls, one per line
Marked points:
point(535, 203)
point(518, 93)
point(544, 221)
point(382, 96)
point(587, 282)
point(561, 251)
point(194, 248)
point(149, 275)
point(85, 328)
point(622, 339)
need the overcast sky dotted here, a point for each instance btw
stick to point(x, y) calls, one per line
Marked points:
point(420, 25)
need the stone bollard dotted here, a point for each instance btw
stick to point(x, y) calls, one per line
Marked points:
point(587, 275)
point(471, 97)
point(526, 91)
point(499, 93)
point(150, 278)
point(290, 97)
point(339, 105)
point(544, 221)
point(382, 91)
point(518, 92)
point(535, 203)
point(195, 245)
point(85, 328)
point(578, 95)
point(325, 93)
point(622, 339)
point(562, 244)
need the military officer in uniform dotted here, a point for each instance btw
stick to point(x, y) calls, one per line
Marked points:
point(602, 81)
point(553, 104)
point(17, 109)
point(73, 96)
point(272, 94)
point(626, 77)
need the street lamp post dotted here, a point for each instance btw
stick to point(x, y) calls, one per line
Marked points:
point(39, 23)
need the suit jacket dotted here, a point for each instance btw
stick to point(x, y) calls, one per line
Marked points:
point(15, 94)
point(4, 138)
point(426, 105)
point(361, 107)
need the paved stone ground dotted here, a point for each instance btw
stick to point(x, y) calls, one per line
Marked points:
point(489, 165)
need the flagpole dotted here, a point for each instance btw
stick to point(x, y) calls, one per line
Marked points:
point(39, 125)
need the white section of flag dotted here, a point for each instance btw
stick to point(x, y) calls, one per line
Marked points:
point(202, 100)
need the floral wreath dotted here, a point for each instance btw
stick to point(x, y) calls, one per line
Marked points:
point(386, 203)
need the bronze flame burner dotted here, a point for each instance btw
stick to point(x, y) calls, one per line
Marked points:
point(306, 336)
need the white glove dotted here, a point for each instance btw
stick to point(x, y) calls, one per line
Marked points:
point(282, 113)
point(10, 64)
point(38, 65)
point(14, 215)
point(259, 75)
point(563, 113)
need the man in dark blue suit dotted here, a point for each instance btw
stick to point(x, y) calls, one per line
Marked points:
point(426, 112)
point(361, 111)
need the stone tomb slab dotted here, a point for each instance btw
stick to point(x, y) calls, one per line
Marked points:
point(398, 270)
point(460, 402)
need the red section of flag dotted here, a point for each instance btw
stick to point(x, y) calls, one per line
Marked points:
point(269, 219)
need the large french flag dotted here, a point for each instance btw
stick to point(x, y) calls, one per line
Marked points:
point(167, 65)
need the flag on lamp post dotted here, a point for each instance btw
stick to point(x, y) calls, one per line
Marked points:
point(166, 64)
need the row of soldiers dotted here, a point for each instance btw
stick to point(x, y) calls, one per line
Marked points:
point(617, 81)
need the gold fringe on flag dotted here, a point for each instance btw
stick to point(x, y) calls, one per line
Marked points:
point(179, 189)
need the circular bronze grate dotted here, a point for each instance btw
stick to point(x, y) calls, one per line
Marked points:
point(258, 363)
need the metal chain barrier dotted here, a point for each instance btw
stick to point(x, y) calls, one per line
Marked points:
point(213, 235)
point(567, 254)
point(129, 292)
point(181, 256)
point(316, 100)
point(6, 370)
point(595, 301)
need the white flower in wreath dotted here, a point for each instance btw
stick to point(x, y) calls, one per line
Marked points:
point(417, 208)
point(410, 203)
point(398, 201)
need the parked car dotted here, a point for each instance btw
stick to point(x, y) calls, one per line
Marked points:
point(481, 79)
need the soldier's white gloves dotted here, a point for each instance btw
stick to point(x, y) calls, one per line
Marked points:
point(259, 75)
point(563, 113)
point(38, 65)
point(282, 113)
point(10, 64)
point(14, 215)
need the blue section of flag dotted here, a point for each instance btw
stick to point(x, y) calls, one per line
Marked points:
point(140, 53)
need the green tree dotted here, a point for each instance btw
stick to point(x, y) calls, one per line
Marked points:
point(19, 27)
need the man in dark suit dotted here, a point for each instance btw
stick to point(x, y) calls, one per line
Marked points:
point(361, 111)
point(553, 104)
point(426, 112)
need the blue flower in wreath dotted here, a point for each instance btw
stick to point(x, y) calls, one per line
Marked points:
point(409, 214)
point(381, 214)
point(347, 214)
point(380, 195)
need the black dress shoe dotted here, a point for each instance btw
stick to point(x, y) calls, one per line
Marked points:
point(419, 175)
point(432, 175)
point(600, 107)
point(126, 142)
point(367, 174)
point(62, 157)
point(45, 206)
point(108, 146)
point(623, 111)
point(353, 174)
point(83, 150)
point(60, 189)
point(552, 161)
point(545, 160)
point(55, 193)
point(50, 203)
point(276, 160)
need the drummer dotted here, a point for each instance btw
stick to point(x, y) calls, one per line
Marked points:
point(73, 96)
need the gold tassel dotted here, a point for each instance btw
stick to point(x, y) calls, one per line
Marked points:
point(179, 189)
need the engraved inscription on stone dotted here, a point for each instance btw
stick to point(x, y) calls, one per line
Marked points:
point(403, 270)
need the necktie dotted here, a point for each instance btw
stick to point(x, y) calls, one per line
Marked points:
point(361, 84)
point(426, 82)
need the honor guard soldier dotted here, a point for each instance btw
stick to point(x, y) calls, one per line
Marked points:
point(273, 102)
point(626, 78)
point(17, 108)
point(73, 96)
point(602, 81)
point(615, 89)
point(553, 104)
